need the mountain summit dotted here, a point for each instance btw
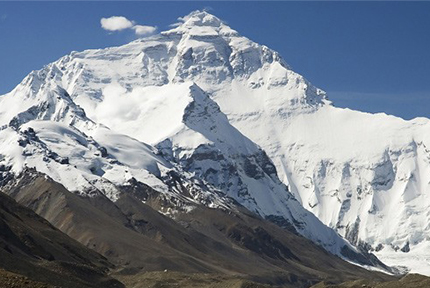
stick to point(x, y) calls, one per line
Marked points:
point(205, 116)
point(200, 19)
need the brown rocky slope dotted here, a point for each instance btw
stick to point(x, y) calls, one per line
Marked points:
point(138, 239)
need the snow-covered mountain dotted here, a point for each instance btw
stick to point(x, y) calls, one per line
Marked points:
point(232, 120)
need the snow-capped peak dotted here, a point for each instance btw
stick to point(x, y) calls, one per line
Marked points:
point(201, 18)
point(201, 23)
point(230, 113)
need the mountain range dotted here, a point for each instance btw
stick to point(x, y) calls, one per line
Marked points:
point(209, 149)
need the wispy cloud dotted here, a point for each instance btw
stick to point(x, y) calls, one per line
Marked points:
point(3, 17)
point(119, 23)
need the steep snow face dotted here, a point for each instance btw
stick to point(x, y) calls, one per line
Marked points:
point(365, 175)
point(231, 115)
point(47, 101)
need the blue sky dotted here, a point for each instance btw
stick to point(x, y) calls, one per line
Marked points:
point(370, 56)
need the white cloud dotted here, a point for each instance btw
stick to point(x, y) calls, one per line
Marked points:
point(116, 23)
point(144, 30)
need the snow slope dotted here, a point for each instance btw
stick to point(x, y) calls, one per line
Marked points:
point(231, 114)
